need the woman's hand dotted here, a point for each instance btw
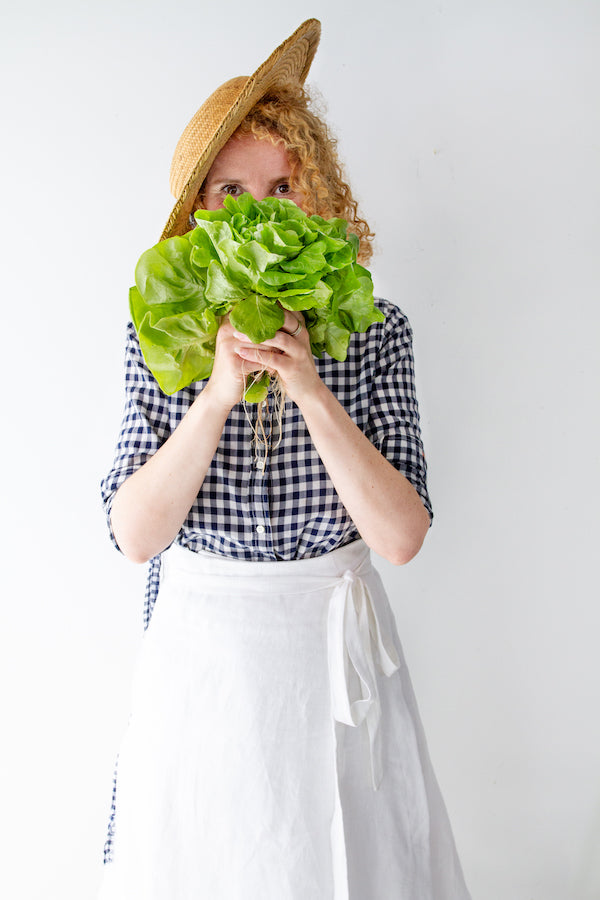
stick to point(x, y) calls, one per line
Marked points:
point(288, 354)
point(227, 382)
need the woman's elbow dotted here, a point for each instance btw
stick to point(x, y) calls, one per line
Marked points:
point(131, 547)
point(132, 552)
point(403, 553)
point(137, 556)
point(400, 545)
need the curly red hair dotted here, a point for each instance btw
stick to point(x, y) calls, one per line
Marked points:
point(284, 116)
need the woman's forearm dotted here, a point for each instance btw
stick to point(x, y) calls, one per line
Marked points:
point(383, 504)
point(151, 505)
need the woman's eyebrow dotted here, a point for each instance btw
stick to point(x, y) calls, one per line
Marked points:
point(225, 179)
point(218, 177)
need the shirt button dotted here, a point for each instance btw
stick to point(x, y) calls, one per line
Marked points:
point(261, 529)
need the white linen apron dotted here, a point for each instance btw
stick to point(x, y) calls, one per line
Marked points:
point(275, 750)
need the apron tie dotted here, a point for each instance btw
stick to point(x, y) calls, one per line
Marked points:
point(355, 645)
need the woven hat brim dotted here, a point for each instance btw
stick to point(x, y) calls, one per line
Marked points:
point(291, 61)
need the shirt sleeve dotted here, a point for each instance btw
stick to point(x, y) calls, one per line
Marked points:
point(145, 425)
point(394, 424)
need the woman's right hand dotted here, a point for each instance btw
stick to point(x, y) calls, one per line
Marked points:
point(151, 505)
point(227, 383)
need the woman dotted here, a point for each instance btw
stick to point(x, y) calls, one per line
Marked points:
point(275, 748)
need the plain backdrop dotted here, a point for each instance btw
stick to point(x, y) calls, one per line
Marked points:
point(471, 134)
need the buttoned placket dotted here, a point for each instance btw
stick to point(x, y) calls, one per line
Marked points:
point(259, 483)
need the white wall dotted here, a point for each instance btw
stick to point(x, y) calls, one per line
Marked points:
point(472, 135)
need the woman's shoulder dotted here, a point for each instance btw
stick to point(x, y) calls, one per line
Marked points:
point(131, 336)
point(383, 343)
point(395, 326)
point(392, 312)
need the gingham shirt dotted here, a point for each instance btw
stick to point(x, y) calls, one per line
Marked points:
point(289, 509)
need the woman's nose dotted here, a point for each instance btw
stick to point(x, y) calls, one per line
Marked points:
point(260, 193)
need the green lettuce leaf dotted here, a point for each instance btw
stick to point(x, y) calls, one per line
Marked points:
point(257, 317)
point(251, 260)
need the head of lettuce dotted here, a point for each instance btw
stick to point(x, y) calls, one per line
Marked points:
point(251, 259)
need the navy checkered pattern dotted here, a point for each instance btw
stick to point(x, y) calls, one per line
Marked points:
point(289, 510)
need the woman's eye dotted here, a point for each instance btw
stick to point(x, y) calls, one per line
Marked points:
point(231, 189)
point(283, 188)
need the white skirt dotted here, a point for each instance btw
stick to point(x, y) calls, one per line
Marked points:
point(275, 750)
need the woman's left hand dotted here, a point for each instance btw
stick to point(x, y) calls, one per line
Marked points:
point(288, 354)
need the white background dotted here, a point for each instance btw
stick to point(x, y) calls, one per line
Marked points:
point(471, 135)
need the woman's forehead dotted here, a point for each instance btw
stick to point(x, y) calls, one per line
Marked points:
point(248, 151)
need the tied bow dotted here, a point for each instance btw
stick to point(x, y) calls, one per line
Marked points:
point(355, 645)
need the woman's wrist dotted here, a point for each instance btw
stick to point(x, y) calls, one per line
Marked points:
point(316, 397)
point(212, 401)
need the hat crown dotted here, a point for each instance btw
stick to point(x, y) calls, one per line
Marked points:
point(201, 129)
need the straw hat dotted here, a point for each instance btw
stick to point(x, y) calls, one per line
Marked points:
point(217, 119)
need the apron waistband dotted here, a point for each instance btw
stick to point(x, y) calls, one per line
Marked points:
point(178, 560)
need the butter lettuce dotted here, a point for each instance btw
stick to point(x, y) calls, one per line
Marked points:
point(251, 259)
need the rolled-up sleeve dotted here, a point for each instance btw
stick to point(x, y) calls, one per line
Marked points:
point(145, 425)
point(394, 424)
